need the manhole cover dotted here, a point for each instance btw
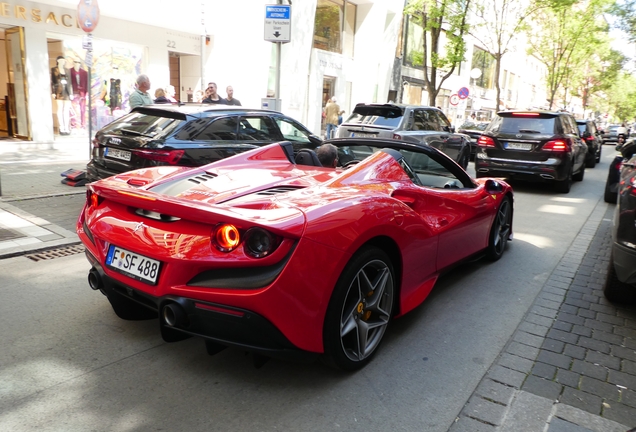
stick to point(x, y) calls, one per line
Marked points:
point(56, 253)
point(9, 234)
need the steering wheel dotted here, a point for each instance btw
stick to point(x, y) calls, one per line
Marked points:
point(350, 163)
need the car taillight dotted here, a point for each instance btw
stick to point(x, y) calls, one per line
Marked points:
point(171, 157)
point(556, 146)
point(590, 138)
point(485, 141)
point(259, 243)
point(96, 143)
point(92, 199)
point(397, 136)
point(226, 237)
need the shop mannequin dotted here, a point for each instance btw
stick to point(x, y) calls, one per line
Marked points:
point(62, 93)
point(79, 82)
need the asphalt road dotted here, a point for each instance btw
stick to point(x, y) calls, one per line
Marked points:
point(69, 363)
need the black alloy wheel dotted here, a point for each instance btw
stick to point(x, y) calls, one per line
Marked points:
point(360, 309)
point(500, 231)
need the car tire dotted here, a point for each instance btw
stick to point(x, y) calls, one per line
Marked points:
point(564, 185)
point(361, 307)
point(130, 310)
point(590, 162)
point(464, 158)
point(598, 155)
point(609, 196)
point(500, 230)
point(579, 175)
point(615, 290)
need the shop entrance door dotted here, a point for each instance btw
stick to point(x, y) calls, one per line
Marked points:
point(17, 84)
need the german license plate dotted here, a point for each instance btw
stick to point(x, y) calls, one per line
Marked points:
point(133, 264)
point(363, 135)
point(117, 154)
point(518, 146)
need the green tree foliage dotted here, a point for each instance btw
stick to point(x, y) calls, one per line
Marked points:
point(567, 28)
point(437, 18)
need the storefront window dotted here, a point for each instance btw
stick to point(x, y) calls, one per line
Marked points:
point(114, 71)
point(334, 26)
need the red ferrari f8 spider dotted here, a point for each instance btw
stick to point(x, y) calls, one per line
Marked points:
point(271, 252)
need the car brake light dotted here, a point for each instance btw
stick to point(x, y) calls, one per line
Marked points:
point(226, 237)
point(92, 199)
point(525, 114)
point(556, 146)
point(485, 141)
point(171, 157)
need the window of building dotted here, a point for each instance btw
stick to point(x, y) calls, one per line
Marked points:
point(486, 63)
point(334, 26)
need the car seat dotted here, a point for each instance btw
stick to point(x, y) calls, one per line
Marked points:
point(307, 157)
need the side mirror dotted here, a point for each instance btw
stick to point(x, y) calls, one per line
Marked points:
point(493, 186)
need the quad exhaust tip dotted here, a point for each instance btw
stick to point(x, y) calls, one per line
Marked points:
point(94, 279)
point(173, 315)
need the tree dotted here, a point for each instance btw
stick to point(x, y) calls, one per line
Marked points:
point(567, 27)
point(497, 24)
point(437, 18)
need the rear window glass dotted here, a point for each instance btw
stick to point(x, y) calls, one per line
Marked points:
point(379, 116)
point(140, 124)
point(581, 128)
point(474, 126)
point(524, 125)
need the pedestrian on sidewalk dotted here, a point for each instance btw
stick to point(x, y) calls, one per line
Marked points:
point(332, 112)
point(140, 96)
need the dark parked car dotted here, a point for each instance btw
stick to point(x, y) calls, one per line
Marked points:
point(413, 123)
point(532, 145)
point(189, 135)
point(474, 131)
point(613, 177)
point(621, 276)
point(591, 136)
point(610, 134)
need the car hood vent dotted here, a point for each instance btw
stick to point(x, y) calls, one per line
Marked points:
point(202, 178)
point(279, 190)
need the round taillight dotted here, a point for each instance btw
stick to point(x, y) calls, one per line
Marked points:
point(259, 243)
point(226, 237)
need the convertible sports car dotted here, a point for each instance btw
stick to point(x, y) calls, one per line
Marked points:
point(272, 253)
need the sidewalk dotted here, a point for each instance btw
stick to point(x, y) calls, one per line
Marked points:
point(571, 364)
point(30, 174)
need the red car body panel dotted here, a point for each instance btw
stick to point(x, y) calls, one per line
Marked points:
point(321, 224)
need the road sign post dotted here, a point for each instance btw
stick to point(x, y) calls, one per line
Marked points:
point(277, 30)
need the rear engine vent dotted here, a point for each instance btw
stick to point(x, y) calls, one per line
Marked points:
point(279, 190)
point(156, 216)
point(202, 178)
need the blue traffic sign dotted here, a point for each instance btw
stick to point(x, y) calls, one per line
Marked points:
point(463, 92)
point(277, 12)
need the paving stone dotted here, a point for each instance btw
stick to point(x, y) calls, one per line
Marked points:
point(559, 291)
point(534, 329)
point(589, 369)
point(515, 362)
point(610, 338)
point(467, 424)
point(554, 359)
point(590, 297)
point(622, 352)
point(586, 313)
point(628, 397)
point(563, 336)
point(597, 325)
point(621, 378)
point(569, 309)
point(489, 389)
point(582, 400)
point(571, 318)
point(600, 388)
point(523, 350)
point(548, 303)
point(605, 308)
point(543, 370)
point(484, 410)
point(542, 387)
point(582, 331)
point(611, 319)
point(558, 425)
point(620, 413)
point(553, 345)
point(594, 344)
point(601, 359)
point(548, 313)
point(539, 320)
point(624, 331)
point(506, 376)
point(628, 367)
point(580, 303)
point(629, 342)
point(568, 378)
point(528, 339)
point(563, 326)
point(574, 351)
point(574, 295)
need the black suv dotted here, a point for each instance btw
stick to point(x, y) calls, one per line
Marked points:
point(591, 136)
point(188, 135)
point(413, 123)
point(532, 145)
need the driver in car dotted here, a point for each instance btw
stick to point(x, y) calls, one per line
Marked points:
point(328, 155)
